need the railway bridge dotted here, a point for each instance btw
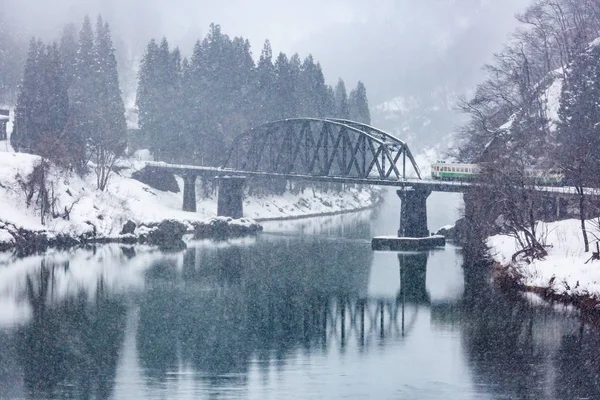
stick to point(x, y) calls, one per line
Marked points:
point(323, 150)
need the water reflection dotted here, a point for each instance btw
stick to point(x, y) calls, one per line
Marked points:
point(70, 347)
point(302, 317)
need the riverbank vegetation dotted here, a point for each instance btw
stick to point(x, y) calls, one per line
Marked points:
point(538, 108)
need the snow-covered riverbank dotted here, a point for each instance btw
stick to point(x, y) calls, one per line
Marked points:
point(78, 210)
point(563, 274)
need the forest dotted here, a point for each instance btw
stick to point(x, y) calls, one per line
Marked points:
point(70, 109)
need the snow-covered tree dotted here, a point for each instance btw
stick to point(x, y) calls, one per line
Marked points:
point(578, 138)
point(265, 85)
point(359, 104)
point(342, 109)
point(84, 107)
point(107, 142)
point(68, 52)
point(42, 104)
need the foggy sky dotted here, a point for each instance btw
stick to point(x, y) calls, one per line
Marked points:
point(395, 47)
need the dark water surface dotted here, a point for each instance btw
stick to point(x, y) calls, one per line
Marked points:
point(304, 311)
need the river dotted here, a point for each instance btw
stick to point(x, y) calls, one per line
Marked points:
point(304, 311)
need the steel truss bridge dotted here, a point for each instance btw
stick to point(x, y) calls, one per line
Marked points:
point(328, 150)
point(318, 149)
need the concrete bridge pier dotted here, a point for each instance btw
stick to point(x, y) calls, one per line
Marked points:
point(189, 192)
point(413, 212)
point(230, 202)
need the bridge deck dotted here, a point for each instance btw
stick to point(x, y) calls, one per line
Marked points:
point(432, 185)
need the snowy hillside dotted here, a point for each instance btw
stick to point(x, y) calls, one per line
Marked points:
point(424, 121)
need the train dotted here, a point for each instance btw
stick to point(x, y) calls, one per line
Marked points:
point(468, 172)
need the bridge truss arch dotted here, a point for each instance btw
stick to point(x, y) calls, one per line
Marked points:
point(322, 147)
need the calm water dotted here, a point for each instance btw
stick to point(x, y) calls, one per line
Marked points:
point(306, 310)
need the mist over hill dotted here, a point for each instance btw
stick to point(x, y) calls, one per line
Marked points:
point(426, 53)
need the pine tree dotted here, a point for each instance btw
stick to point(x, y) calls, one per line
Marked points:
point(28, 99)
point(68, 52)
point(342, 109)
point(42, 104)
point(107, 144)
point(265, 85)
point(83, 98)
point(173, 140)
point(294, 106)
point(283, 88)
point(108, 141)
point(193, 107)
point(330, 102)
point(148, 97)
point(313, 91)
point(239, 106)
point(359, 105)
point(57, 102)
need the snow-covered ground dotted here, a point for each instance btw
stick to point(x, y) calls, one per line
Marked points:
point(564, 270)
point(105, 213)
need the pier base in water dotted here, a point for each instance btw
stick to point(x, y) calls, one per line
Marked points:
point(394, 243)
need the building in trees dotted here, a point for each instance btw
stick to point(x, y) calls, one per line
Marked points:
point(3, 122)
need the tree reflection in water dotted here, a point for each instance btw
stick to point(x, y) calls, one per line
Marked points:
point(519, 351)
point(234, 304)
point(71, 345)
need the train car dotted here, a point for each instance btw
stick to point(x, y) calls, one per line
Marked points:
point(550, 177)
point(454, 172)
point(466, 172)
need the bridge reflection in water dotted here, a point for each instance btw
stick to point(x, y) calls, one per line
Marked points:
point(229, 306)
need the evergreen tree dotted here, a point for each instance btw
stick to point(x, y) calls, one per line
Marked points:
point(108, 141)
point(240, 84)
point(149, 97)
point(283, 89)
point(330, 102)
point(83, 98)
point(359, 105)
point(342, 109)
point(68, 52)
point(57, 102)
point(28, 99)
point(313, 91)
point(42, 104)
point(193, 108)
point(293, 103)
point(265, 83)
